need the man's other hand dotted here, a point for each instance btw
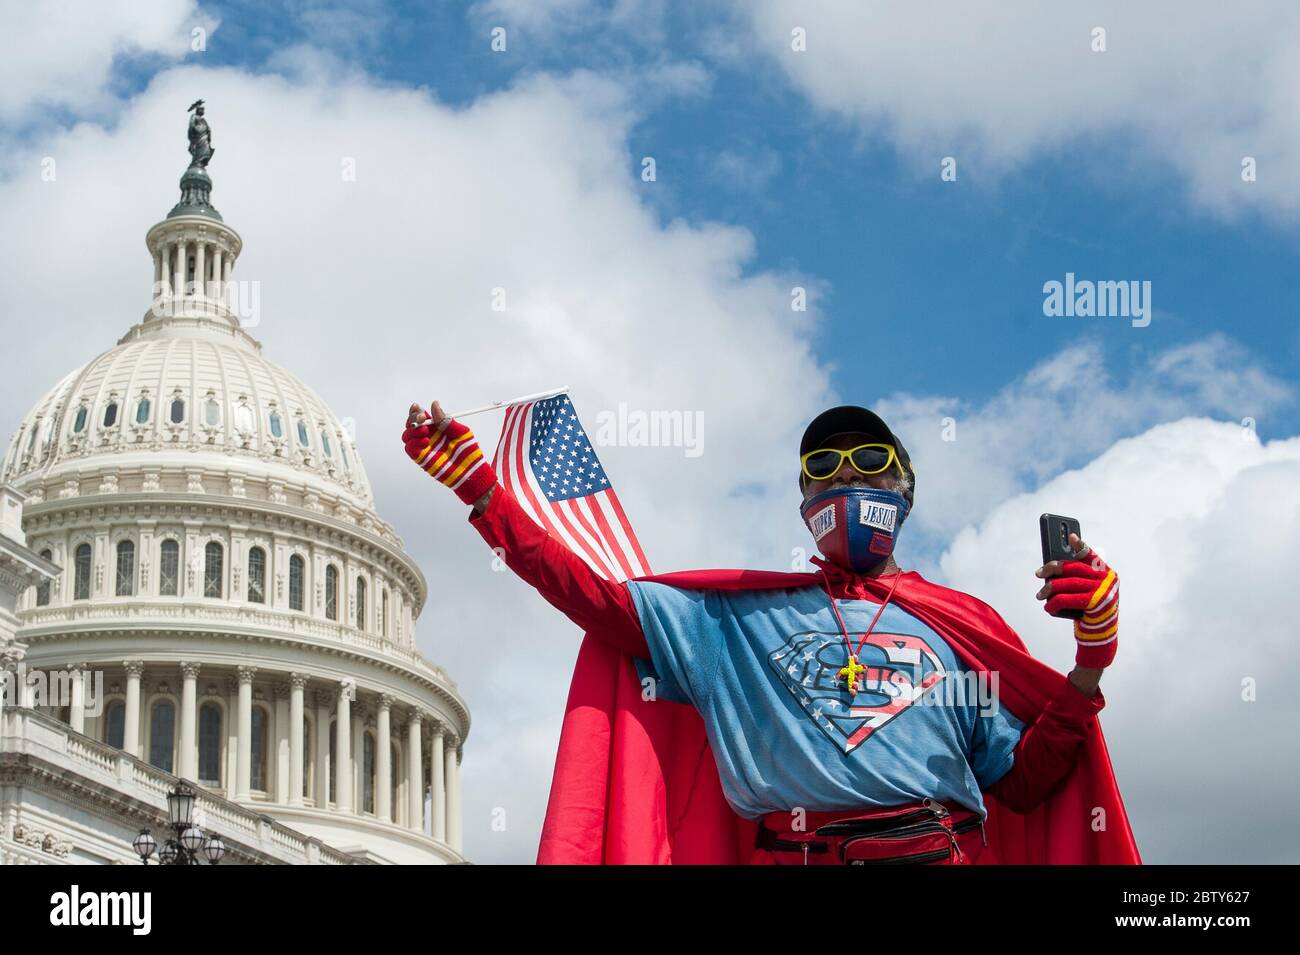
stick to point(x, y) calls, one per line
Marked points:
point(1085, 584)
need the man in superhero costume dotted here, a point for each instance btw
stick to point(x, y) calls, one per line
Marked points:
point(858, 714)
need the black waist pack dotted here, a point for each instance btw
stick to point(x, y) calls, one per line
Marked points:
point(907, 835)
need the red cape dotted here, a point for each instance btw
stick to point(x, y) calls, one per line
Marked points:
point(636, 782)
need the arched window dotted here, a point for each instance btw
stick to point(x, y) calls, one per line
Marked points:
point(212, 412)
point(325, 443)
point(332, 592)
point(79, 423)
point(125, 568)
point(110, 414)
point(277, 427)
point(343, 447)
point(302, 433)
point(115, 724)
point(213, 560)
point(142, 411)
point(162, 732)
point(169, 564)
point(383, 616)
point(210, 744)
point(257, 575)
point(244, 419)
point(361, 603)
point(81, 573)
point(258, 780)
point(295, 582)
point(368, 773)
point(43, 588)
point(177, 410)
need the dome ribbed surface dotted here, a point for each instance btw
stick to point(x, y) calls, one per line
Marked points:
point(228, 396)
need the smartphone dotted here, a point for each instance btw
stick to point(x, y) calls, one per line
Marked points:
point(1055, 530)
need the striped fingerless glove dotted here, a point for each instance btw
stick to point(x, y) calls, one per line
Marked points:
point(452, 456)
point(1092, 587)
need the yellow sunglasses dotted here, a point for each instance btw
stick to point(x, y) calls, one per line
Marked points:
point(866, 459)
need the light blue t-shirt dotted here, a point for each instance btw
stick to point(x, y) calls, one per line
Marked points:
point(761, 668)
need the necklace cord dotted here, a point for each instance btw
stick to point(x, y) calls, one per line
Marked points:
point(848, 641)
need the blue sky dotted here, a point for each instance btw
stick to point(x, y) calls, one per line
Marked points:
point(897, 251)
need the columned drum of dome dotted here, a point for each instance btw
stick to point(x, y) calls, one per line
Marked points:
point(225, 569)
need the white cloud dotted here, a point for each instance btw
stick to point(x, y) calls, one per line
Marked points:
point(546, 16)
point(971, 455)
point(344, 26)
point(1199, 519)
point(750, 171)
point(62, 55)
point(1193, 87)
point(545, 19)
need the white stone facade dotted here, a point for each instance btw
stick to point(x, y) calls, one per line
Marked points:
point(72, 800)
point(220, 571)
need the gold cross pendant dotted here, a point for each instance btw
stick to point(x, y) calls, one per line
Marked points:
point(852, 672)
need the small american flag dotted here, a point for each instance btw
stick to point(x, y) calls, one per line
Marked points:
point(546, 460)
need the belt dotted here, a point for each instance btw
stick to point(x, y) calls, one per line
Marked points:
point(899, 835)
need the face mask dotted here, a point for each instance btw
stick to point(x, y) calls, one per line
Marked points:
point(855, 527)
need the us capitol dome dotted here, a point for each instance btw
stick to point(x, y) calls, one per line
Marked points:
point(206, 548)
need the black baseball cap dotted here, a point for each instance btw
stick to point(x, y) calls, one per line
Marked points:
point(848, 418)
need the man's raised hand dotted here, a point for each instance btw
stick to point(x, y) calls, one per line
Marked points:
point(446, 449)
point(435, 416)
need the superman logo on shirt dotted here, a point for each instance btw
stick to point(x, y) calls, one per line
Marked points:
point(900, 669)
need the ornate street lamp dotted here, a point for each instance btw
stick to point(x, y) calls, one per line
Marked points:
point(189, 842)
point(193, 838)
point(144, 845)
point(180, 806)
point(214, 849)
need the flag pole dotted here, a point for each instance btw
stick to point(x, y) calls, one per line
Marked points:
point(512, 401)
